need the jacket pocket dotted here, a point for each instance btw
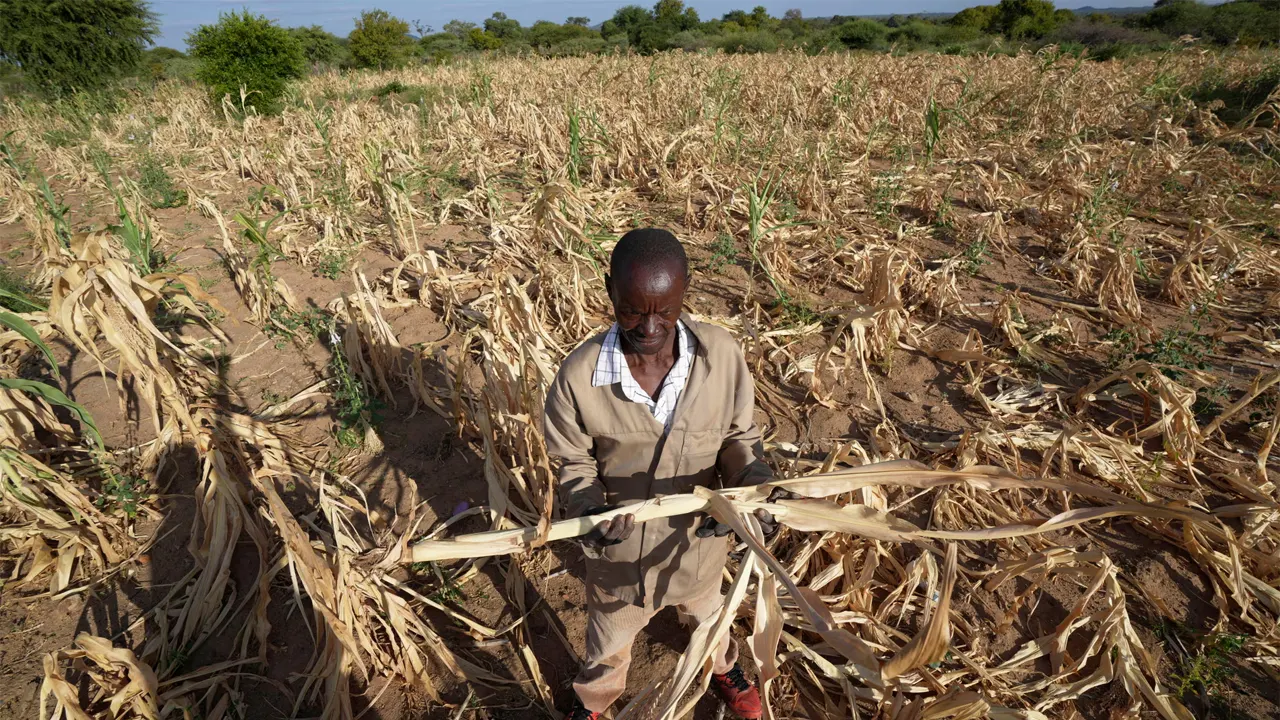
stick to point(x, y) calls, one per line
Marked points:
point(698, 459)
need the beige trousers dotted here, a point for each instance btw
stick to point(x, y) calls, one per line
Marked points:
point(612, 625)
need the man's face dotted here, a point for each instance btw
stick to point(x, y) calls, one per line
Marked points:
point(647, 303)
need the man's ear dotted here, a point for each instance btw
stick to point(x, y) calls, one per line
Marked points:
point(608, 286)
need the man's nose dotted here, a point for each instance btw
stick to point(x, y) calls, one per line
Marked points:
point(652, 325)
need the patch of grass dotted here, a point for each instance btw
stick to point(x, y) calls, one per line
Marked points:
point(288, 325)
point(1173, 348)
point(1236, 99)
point(156, 184)
point(886, 190)
point(796, 312)
point(974, 256)
point(17, 293)
point(723, 252)
point(62, 137)
point(1203, 672)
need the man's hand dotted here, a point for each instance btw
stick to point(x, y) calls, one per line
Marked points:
point(768, 524)
point(608, 532)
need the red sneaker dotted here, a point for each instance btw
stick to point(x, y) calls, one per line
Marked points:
point(738, 693)
point(579, 712)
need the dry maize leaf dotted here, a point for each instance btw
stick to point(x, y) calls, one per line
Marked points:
point(931, 644)
point(823, 516)
point(767, 635)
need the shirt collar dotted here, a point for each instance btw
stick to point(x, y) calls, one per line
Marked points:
point(611, 363)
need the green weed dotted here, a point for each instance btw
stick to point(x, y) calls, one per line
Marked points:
point(723, 252)
point(61, 137)
point(886, 190)
point(974, 256)
point(1174, 348)
point(1211, 400)
point(355, 409)
point(796, 312)
point(124, 492)
point(157, 186)
point(17, 293)
point(1203, 676)
point(287, 325)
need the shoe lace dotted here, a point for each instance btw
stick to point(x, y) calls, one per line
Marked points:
point(735, 678)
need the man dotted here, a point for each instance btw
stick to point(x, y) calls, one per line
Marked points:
point(655, 406)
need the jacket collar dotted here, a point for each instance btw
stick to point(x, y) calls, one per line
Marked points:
point(697, 374)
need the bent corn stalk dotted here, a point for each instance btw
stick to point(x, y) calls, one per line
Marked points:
point(812, 514)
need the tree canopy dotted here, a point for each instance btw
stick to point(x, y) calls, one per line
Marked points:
point(83, 45)
point(380, 40)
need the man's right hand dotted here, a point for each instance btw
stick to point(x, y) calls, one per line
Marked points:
point(609, 532)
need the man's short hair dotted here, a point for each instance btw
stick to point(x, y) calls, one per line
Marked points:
point(647, 246)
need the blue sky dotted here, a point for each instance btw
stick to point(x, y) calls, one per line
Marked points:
point(179, 17)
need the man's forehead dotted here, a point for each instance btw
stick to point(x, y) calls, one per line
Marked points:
point(647, 274)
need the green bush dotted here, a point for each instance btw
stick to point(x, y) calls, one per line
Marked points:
point(64, 47)
point(443, 47)
point(247, 51)
point(318, 46)
point(480, 40)
point(380, 40)
point(1238, 98)
point(580, 46)
point(157, 186)
point(757, 41)
point(862, 34)
point(691, 41)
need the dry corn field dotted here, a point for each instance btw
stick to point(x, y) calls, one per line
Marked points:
point(1014, 323)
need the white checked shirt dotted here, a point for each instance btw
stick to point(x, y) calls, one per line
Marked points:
point(612, 368)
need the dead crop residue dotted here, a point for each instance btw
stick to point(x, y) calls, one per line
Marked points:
point(1040, 295)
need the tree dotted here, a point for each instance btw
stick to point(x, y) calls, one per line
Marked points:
point(1024, 19)
point(318, 46)
point(248, 51)
point(66, 46)
point(545, 34)
point(979, 17)
point(380, 40)
point(459, 27)
point(443, 45)
point(1177, 17)
point(482, 40)
point(674, 16)
point(578, 20)
point(632, 21)
point(504, 28)
point(759, 18)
